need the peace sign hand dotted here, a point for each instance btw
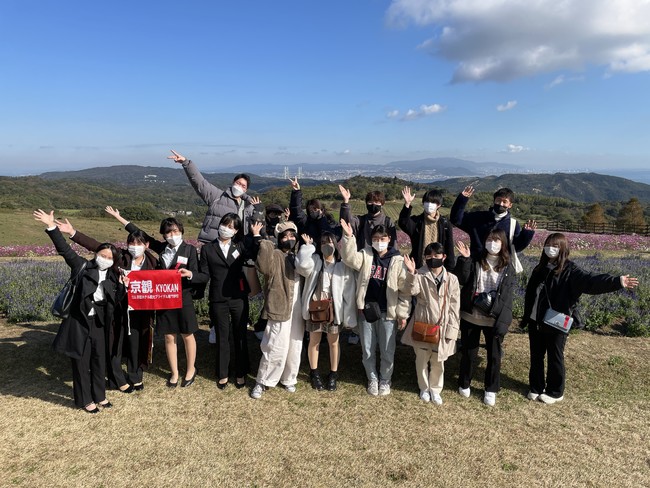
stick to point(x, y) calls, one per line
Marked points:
point(177, 157)
point(294, 183)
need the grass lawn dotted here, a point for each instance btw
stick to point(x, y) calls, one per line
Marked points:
point(201, 436)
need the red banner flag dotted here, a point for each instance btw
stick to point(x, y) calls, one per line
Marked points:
point(155, 290)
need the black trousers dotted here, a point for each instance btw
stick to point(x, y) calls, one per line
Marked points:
point(230, 318)
point(470, 337)
point(89, 371)
point(549, 342)
point(136, 344)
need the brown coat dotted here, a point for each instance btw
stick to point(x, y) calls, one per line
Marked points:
point(428, 309)
point(280, 277)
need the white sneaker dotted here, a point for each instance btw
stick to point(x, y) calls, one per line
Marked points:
point(436, 398)
point(384, 388)
point(532, 396)
point(549, 400)
point(373, 388)
point(424, 396)
point(490, 398)
point(290, 388)
point(353, 339)
point(464, 392)
point(257, 391)
point(212, 339)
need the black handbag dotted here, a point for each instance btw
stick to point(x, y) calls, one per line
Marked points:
point(484, 301)
point(371, 311)
point(61, 306)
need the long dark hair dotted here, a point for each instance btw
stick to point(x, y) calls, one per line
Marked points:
point(504, 254)
point(556, 240)
point(330, 238)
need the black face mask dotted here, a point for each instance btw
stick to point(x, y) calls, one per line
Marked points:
point(315, 214)
point(287, 245)
point(373, 208)
point(434, 262)
point(499, 209)
point(273, 221)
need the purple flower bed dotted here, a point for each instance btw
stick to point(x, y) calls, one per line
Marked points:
point(33, 250)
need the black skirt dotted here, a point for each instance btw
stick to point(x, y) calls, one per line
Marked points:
point(178, 320)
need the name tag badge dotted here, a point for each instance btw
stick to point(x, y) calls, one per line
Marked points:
point(235, 253)
point(181, 260)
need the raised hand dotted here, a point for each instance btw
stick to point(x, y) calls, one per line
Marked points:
point(347, 228)
point(255, 200)
point(177, 157)
point(468, 191)
point(256, 227)
point(116, 213)
point(294, 183)
point(65, 227)
point(409, 263)
point(408, 196)
point(629, 282)
point(307, 238)
point(345, 193)
point(530, 225)
point(462, 248)
point(46, 218)
point(286, 214)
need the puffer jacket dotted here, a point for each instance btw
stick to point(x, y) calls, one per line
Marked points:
point(219, 202)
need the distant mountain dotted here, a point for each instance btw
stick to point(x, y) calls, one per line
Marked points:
point(133, 175)
point(581, 187)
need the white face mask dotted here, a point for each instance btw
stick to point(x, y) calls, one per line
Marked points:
point(237, 191)
point(226, 232)
point(551, 251)
point(493, 247)
point(136, 251)
point(174, 241)
point(379, 246)
point(430, 208)
point(103, 263)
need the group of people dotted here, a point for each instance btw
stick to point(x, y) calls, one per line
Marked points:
point(320, 276)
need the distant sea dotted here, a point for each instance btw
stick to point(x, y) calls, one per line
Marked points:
point(640, 175)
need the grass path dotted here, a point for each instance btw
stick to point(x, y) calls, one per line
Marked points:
point(201, 436)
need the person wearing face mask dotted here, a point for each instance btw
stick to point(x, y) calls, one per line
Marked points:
point(174, 253)
point(81, 336)
point(315, 220)
point(362, 225)
point(485, 307)
point(130, 335)
point(382, 307)
point(222, 264)
point(437, 296)
point(480, 222)
point(282, 341)
point(557, 283)
point(326, 278)
point(427, 227)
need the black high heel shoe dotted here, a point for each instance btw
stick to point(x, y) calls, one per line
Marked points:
point(106, 405)
point(139, 387)
point(185, 383)
point(239, 385)
point(128, 389)
point(222, 386)
point(169, 382)
point(94, 410)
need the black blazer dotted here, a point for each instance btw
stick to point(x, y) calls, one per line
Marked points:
point(412, 227)
point(225, 273)
point(73, 332)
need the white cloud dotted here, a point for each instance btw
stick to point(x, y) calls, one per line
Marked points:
point(413, 114)
point(502, 40)
point(513, 148)
point(561, 79)
point(507, 106)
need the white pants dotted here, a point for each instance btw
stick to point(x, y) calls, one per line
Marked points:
point(281, 348)
point(429, 380)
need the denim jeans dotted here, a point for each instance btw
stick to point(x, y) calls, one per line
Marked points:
point(383, 333)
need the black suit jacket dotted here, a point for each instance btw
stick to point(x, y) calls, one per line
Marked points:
point(225, 273)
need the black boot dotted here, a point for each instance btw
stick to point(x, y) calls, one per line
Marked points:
point(331, 381)
point(316, 381)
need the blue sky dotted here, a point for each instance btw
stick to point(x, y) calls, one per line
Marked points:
point(542, 84)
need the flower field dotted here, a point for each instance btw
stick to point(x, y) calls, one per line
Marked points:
point(28, 286)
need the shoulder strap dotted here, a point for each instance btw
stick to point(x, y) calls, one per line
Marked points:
point(513, 224)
